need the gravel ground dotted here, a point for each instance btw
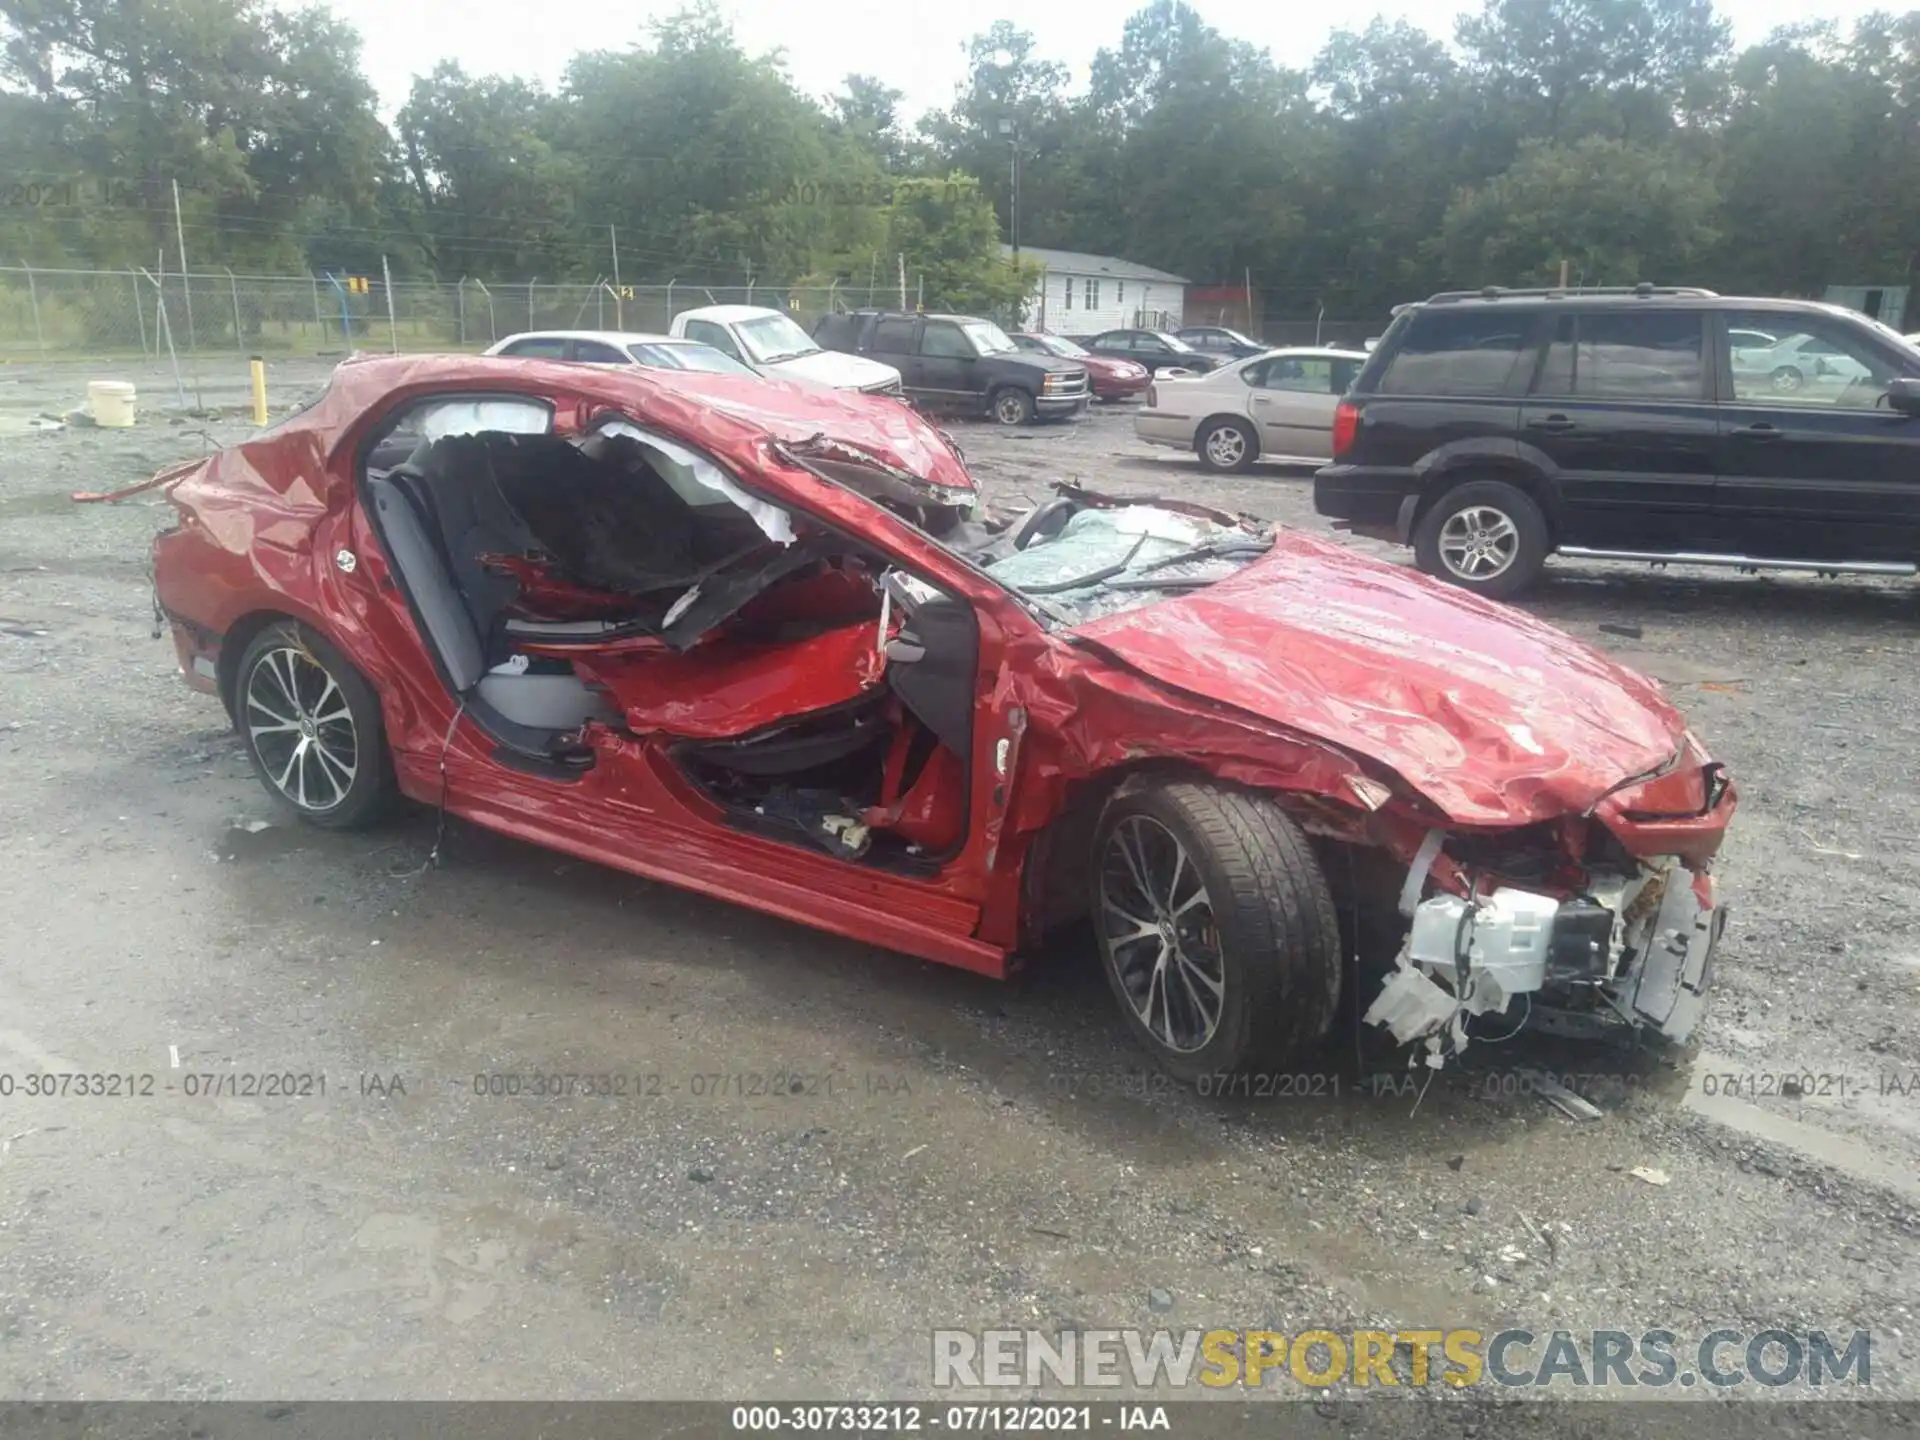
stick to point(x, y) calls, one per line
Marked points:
point(988, 1155)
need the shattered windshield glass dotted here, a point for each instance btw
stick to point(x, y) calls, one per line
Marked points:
point(772, 338)
point(1104, 560)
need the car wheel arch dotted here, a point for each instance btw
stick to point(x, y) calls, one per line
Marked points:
point(1054, 888)
point(1537, 487)
point(1245, 422)
point(233, 645)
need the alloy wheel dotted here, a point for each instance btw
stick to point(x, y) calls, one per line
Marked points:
point(300, 725)
point(1226, 447)
point(1161, 940)
point(1479, 542)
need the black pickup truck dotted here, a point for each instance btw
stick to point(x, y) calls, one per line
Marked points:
point(957, 362)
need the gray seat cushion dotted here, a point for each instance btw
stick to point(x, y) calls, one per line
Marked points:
point(436, 600)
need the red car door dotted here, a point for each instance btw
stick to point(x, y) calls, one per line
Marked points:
point(797, 658)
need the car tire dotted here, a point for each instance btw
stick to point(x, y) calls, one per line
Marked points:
point(1237, 911)
point(1010, 405)
point(1226, 446)
point(1485, 536)
point(311, 724)
point(1787, 379)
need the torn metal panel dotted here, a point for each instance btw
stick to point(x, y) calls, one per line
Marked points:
point(1497, 718)
point(727, 689)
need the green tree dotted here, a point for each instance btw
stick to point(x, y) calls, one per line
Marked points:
point(256, 114)
point(946, 232)
point(1617, 214)
point(493, 195)
point(713, 165)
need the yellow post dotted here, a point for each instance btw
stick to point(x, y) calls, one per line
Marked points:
point(259, 368)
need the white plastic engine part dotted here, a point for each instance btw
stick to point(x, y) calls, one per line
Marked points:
point(1505, 938)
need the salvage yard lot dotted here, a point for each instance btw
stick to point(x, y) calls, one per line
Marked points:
point(957, 1153)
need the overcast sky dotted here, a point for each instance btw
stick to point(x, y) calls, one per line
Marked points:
point(916, 48)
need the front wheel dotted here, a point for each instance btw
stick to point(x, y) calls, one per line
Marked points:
point(1012, 407)
point(1216, 928)
point(312, 727)
point(1788, 379)
point(1485, 536)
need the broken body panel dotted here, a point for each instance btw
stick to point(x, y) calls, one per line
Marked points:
point(1381, 708)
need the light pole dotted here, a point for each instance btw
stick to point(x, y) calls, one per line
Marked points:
point(1013, 205)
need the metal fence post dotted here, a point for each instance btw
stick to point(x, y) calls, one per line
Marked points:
point(33, 299)
point(393, 326)
point(233, 289)
point(493, 325)
point(319, 320)
point(460, 308)
point(140, 317)
point(530, 324)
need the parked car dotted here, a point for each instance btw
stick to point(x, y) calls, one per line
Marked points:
point(1222, 343)
point(1278, 406)
point(962, 363)
point(772, 343)
point(1492, 429)
point(618, 347)
point(1796, 361)
point(766, 643)
point(1110, 379)
point(1158, 351)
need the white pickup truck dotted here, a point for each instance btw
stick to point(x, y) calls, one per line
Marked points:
point(772, 342)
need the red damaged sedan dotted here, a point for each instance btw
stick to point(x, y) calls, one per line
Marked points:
point(1109, 379)
point(769, 644)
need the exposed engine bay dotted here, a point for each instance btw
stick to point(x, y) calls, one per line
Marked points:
point(1631, 948)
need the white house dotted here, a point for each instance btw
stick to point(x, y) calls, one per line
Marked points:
point(1084, 294)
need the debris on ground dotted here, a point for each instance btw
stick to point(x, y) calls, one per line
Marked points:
point(1650, 1175)
point(1559, 1096)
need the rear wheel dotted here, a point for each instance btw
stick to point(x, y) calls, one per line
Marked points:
point(312, 727)
point(1788, 379)
point(1012, 406)
point(1485, 536)
point(1216, 928)
point(1226, 445)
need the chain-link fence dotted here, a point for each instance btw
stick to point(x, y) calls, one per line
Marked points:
point(75, 314)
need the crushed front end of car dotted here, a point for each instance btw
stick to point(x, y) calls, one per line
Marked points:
point(1601, 924)
point(1516, 831)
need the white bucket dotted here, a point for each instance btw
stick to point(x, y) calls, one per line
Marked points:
point(111, 402)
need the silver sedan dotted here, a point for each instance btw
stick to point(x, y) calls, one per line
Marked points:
point(1276, 406)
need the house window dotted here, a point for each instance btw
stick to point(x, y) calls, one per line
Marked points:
point(1093, 294)
point(1068, 304)
point(1119, 292)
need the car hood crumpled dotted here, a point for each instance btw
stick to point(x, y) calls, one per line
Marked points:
point(1495, 717)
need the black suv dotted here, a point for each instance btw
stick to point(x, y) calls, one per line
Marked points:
point(957, 362)
point(1492, 428)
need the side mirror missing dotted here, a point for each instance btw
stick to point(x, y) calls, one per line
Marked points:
point(1903, 394)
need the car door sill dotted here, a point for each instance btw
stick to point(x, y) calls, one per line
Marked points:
point(1744, 562)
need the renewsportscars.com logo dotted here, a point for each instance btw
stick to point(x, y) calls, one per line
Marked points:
point(1315, 1359)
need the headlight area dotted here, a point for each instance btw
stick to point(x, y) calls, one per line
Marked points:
point(1602, 945)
